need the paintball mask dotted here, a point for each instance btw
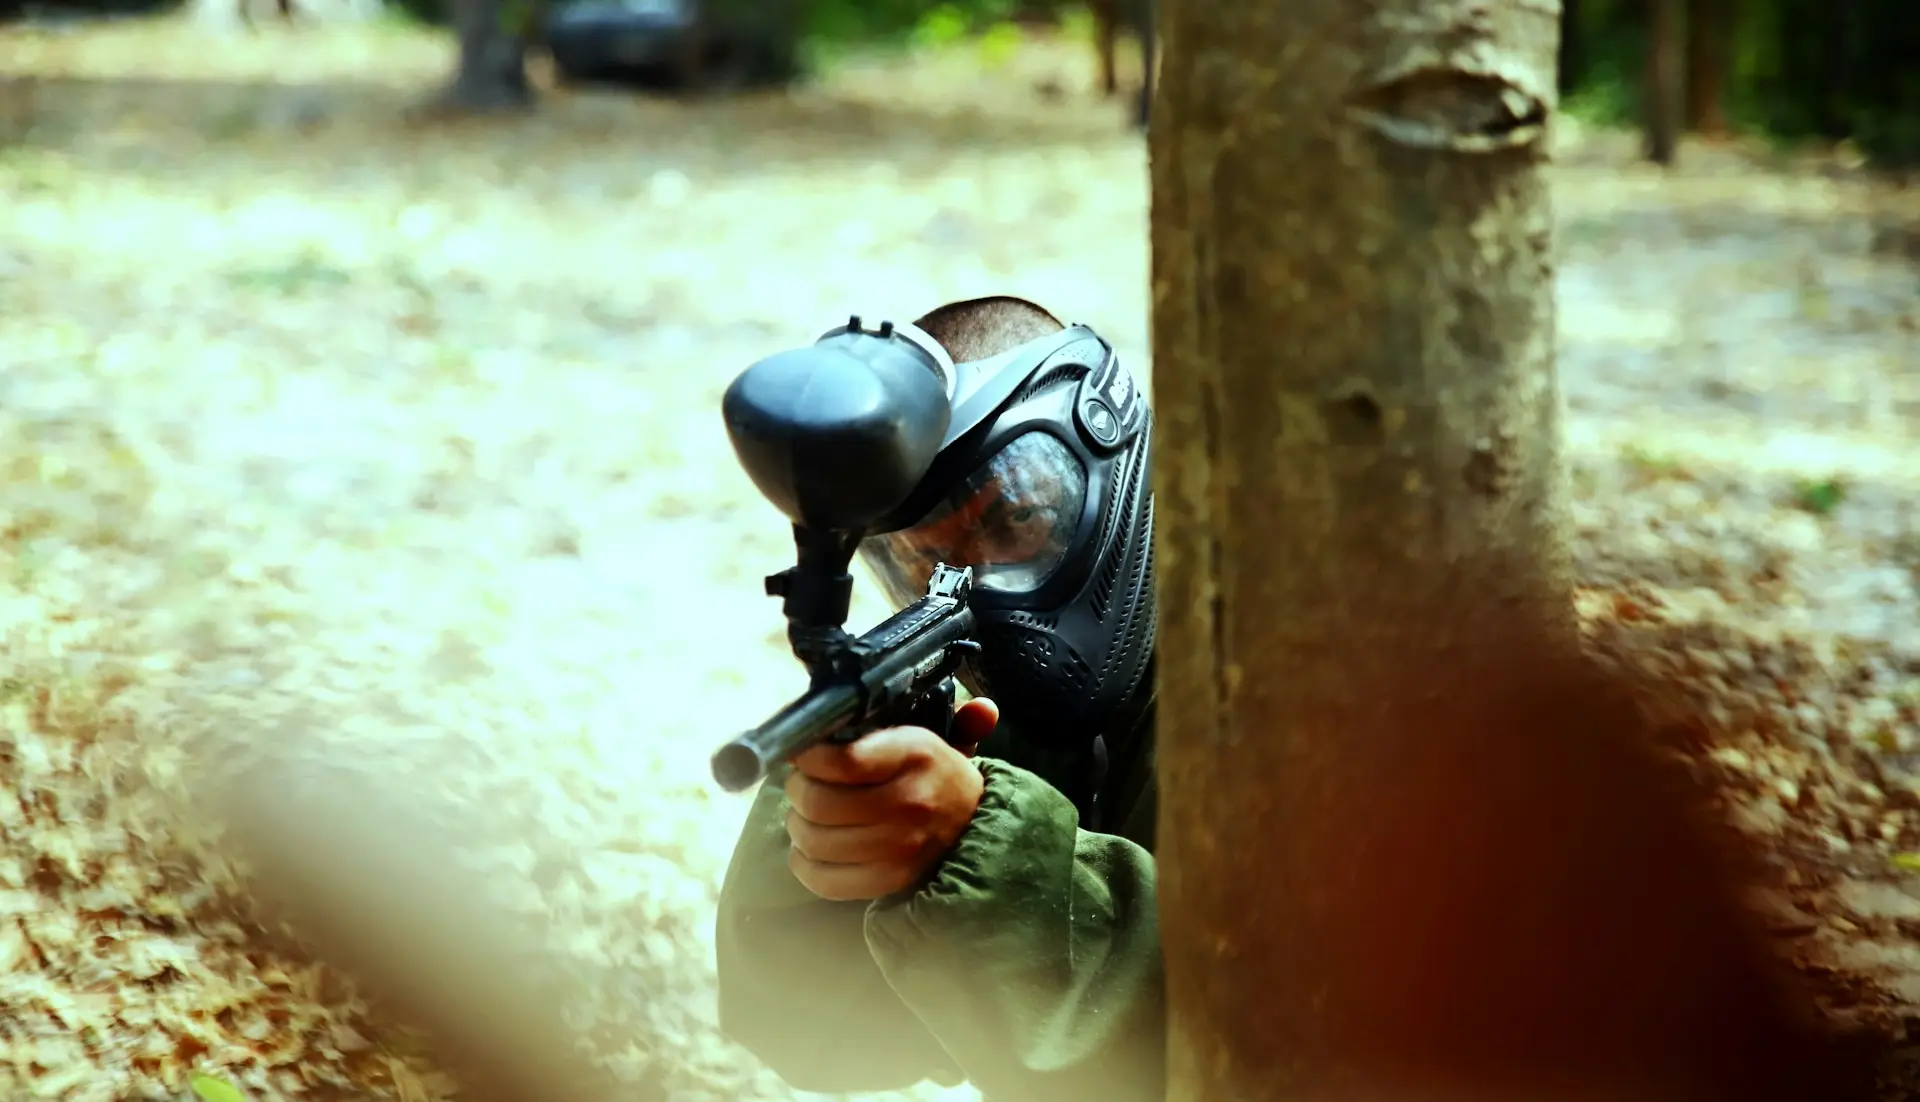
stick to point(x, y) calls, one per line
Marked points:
point(1042, 487)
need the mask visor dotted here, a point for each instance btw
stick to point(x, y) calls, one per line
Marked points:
point(1012, 520)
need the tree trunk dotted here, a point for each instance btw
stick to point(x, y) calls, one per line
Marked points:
point(1146, 16)
point(1111, 17)
point(1572, 55)
point(1409, 848)
point(492, 71)
point(1665, 87)
point(1709, 50)
point(1106, 39)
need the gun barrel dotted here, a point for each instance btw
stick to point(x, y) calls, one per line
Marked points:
point(808, 720)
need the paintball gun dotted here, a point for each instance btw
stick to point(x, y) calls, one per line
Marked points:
point(836, 435)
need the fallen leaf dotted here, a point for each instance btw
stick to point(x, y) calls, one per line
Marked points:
point(209, 1089)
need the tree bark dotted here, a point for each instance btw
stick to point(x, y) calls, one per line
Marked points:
point(1709, 50)
point(1409, 847)
point(1663, 105)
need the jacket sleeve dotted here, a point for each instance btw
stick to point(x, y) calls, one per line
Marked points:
point(1029, 964)
point(798, 986)
point(1034, 953)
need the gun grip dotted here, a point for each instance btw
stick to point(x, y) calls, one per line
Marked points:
point(934, 710)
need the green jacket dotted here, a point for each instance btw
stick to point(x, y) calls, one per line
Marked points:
point(1029, 964)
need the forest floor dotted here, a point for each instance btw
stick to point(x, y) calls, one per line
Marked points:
point(341, 440)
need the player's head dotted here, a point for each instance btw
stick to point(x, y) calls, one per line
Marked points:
point(1043, 488)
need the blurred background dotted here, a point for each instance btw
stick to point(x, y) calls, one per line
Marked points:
point(359, 384)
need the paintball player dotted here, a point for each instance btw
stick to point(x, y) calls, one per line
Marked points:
point(901, 909)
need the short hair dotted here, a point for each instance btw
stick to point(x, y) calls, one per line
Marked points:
point(982, 327)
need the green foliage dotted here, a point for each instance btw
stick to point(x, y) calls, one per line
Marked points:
point(520, 18)
point(826, 26)
point(1819, 496)
point(839, 23)
point(998, 45)
point(1604, 98)
point(91, 7)
point(1798, 70)
point(208, 1088)
point(943, 26)
point(306, 271)
point(836, 24)
point(1654, 466)
point(430, 13)
point(26, 171)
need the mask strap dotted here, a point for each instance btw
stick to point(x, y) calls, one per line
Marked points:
point(999, 379)
point(923, 340)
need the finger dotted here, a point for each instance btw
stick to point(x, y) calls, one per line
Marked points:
point(889, 753)
point(833, 763)
point(973, 722)
point(872, 843)
point(874, 759)
point(840, 805)
point(842, 883)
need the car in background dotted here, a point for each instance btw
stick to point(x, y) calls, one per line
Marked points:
point(675, 45)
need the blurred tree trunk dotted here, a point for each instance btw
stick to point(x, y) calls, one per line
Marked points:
point(1847, 28)
point(1572, 66)
point(1106, 39)
point(1410, 846)
point(1663, 103)
point(1111, 18)
point(1146, 19)
point(1710, 29)
point(492, 72)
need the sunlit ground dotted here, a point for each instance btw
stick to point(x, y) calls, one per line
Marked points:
point(413, 434)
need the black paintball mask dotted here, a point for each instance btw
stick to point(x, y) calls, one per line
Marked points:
point(1042, 486)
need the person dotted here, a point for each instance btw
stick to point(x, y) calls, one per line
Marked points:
point(904, 908)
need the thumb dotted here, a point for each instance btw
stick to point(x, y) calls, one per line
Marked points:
point(973, 722)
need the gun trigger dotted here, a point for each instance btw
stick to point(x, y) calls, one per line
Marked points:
point(934, 711)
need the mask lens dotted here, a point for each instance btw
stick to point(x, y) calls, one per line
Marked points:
point(1012, 521)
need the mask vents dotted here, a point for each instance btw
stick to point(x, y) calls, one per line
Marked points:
point(1121, 505)
point(1134, 635)
point(1052, 378)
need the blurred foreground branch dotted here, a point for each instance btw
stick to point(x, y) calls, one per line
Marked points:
point(380, 890)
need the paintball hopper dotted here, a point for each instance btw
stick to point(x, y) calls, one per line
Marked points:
point(838, 433)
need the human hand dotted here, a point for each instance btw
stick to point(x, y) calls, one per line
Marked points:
point(872, 817)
